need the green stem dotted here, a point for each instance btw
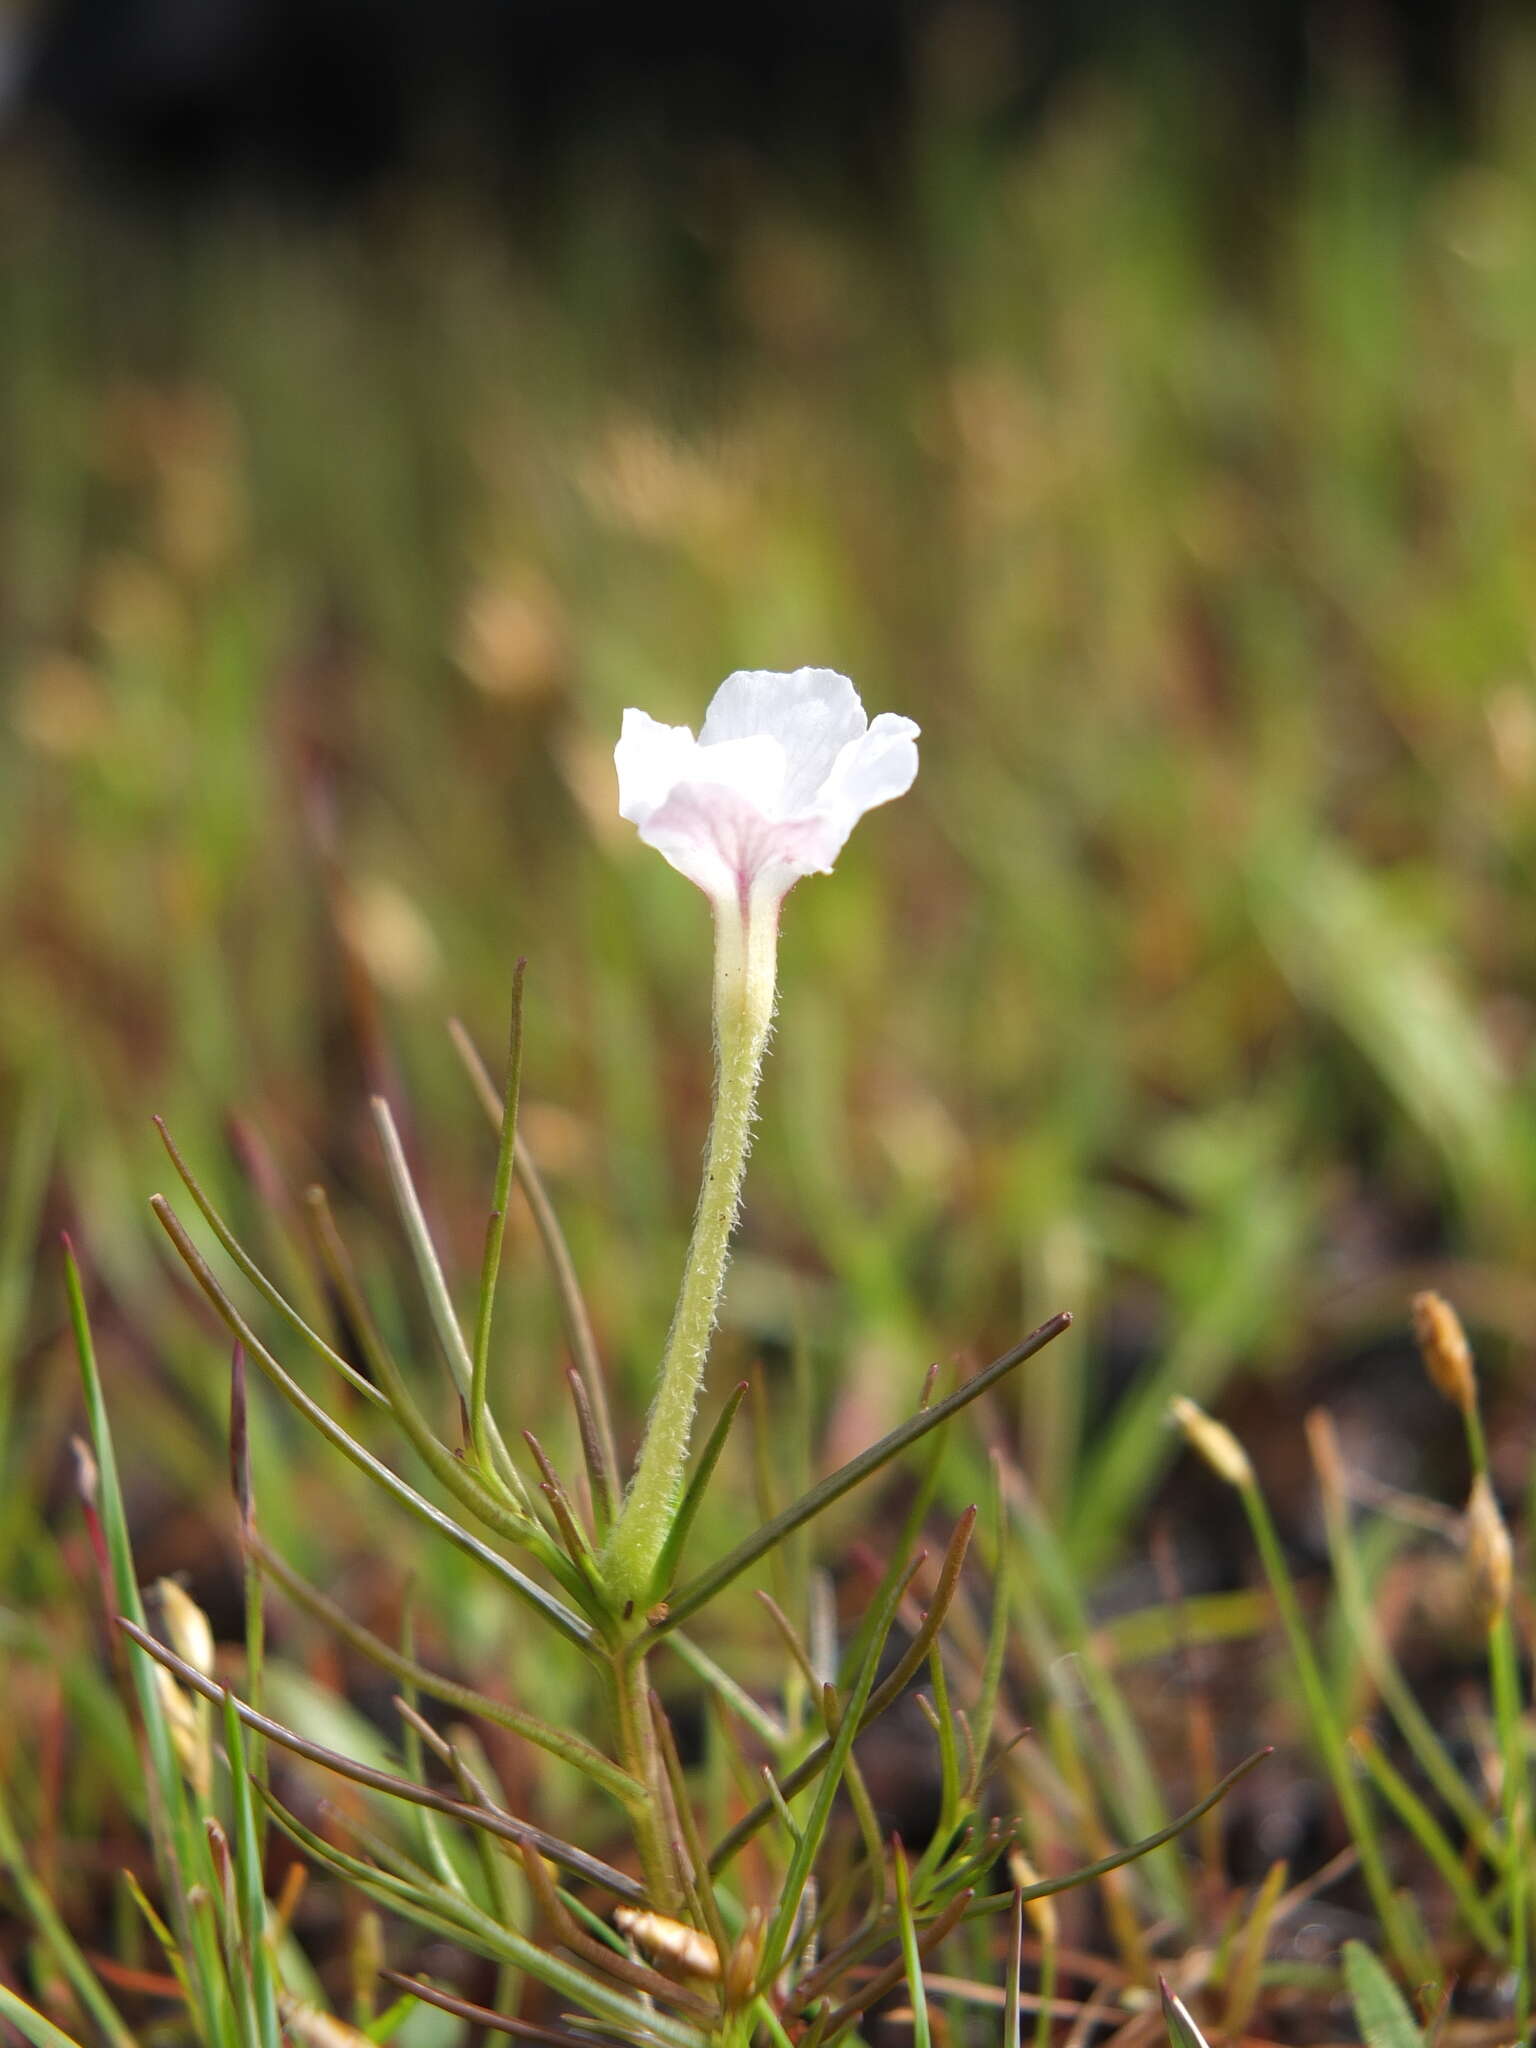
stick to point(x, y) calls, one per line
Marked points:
point(1329, 1737)
point(1508, 1713)
point(746, 942)
point(635, 1739)
point(1505, 1679)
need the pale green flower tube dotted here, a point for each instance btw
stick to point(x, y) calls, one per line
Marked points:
point(782, 770)
point(746, 964)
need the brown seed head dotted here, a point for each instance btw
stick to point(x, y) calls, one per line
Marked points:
point(1490, 1557)
point(1214, 1441)
point(1446, 1353)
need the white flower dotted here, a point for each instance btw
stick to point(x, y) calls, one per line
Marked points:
point(783, 768)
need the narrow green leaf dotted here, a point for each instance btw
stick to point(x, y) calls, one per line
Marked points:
point(776, 1940)
point(1182, 2030)
point(462, 1922)
point(573, 1307)
point(180, 1847)
point(250, 1891)
point(494, 1504)
point(445, 1321)
point(885, 1695)
point(56, 1937)
point(270, 1293)
point(1381, 2012)
point(592, 1868)
point(1011, 2016)
point(506, 1152)
point(704, 1588)
point(693, 1494)
point(906, 1929)
point(31, 2025)
point(570, 1625)
point(1088, 1873)
point(559, 1742)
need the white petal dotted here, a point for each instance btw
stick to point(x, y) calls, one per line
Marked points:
point(753, 767)
point(651, 759)
point(812, 712)
point(782, 771)
point(873, 769)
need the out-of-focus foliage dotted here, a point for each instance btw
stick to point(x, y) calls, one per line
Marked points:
point(1191, 989)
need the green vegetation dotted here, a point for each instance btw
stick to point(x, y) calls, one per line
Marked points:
point(1190, 990)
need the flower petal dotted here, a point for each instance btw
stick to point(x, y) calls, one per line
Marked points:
point(782, 771)
point(812, 712)
point(651, 759)
point(753, 767)
point(880, 765)
point(719, 839)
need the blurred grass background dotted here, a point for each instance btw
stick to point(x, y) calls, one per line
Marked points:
point(1192, 517)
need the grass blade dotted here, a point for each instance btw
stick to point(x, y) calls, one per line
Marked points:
point(249, 1889)
point(31, 2025)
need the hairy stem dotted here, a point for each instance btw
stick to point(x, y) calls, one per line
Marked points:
point(746, 943)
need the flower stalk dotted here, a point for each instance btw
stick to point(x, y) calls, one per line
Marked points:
point(746, 951)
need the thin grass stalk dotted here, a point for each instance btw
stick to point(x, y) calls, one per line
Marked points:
point(470, 1774)
point(911, 1958)
point(1431, 1838)
point(776, 1940)
point(30, 2023)
point(996, 1902)
point(56, 1937)
point(1327, 1735)
point(1514, 1758)
point(181, 1851)
point(242, 1484)
point(506, 1152)
point(697, 1486)
point(1248, 1967)
point(1417, 1731)
point(479, 2015)
point(557, 1253)
point(250, 1894)
point(1135, 1799)
point(417, 1736)
point(693, 1843)
point(572, 1749)
point(886, 1979)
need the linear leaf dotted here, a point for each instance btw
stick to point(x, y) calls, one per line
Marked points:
point(701, 1590)
point(569, 1624)
point(577, 1861)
